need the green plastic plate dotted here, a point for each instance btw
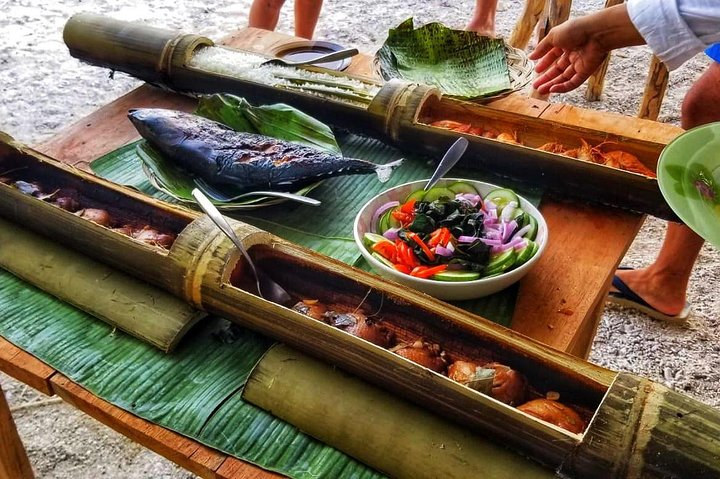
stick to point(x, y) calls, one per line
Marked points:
point(689, 178)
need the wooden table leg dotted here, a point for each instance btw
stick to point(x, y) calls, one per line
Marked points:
point(655, 86)
point(14, 463)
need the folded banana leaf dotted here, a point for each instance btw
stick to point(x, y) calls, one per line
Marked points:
point(279, 121)
point(462, 64)
point(196, 391)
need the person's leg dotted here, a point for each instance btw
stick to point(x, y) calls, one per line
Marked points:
point(483, 19)
point(663, 284)
point(265, 14)
point(307, 13)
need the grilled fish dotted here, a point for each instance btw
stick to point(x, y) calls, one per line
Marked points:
point(247, 161)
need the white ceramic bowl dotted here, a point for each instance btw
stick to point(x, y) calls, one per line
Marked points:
point(445, 289)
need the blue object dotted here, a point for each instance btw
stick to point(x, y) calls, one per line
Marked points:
point(714, 52)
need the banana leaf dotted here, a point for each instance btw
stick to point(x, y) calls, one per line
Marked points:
point(279, 121)
point(327, 229)
point(462, 64)
point(196, 391)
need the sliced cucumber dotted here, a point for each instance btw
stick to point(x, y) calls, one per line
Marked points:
point(383, 260)
point(533, 231)
point(438, 193)
point(500, 262)
point(384, 223)
point(462, 187)
point(415, 195)
point(501, 197)
point(524, 255)
point(370, 239)
point(388, 221)
point(519, 216)
point(457, 276)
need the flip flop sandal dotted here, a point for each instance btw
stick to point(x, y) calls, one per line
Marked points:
point(626, 297)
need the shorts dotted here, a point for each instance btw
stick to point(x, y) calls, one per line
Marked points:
point(714, 52)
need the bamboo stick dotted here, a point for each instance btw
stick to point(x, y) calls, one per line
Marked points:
point(397, 438)
point(521, 34)
point(141, 310)
point(596, 82)
point(655, 86)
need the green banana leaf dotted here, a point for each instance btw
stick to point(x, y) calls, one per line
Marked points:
point(460, 63)
point(327, 229)
point(279, 121)
point(196, 391)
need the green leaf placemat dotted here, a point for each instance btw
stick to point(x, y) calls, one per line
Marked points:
point(196, 391)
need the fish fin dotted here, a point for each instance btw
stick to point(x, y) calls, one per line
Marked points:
point(384, 171)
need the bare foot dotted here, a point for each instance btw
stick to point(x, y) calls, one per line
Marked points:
point(481, 27)
point(661, 291)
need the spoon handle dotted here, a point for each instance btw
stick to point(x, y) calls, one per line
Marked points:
point(329, 57)
point(222, 223)
point(454, 153)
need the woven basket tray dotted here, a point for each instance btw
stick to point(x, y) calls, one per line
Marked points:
point(519, 66)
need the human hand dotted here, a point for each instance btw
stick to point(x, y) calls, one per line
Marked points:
point(567, 56)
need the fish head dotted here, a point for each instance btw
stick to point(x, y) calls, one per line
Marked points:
point(159, 126)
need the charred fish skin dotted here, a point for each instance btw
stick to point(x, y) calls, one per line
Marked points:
point(247, 161)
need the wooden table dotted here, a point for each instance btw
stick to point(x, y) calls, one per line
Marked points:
point(559, 303)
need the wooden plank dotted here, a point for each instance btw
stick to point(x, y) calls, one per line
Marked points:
point(25, 367)
point(558, 297)
point(520, 104)
point(108, 128)
point(185, 452)
point(233, 468)
point(14, 463)
point(655, 86)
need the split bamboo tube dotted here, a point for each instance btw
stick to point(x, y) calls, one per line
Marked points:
point(394, 436)
point(141, 310)
point(161, 57)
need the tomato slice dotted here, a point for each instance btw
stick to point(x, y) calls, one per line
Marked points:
point(418, 270)
point(402, 268)
point(428, 252)
point(386, 249)
point(409, 206)
point(428, 272)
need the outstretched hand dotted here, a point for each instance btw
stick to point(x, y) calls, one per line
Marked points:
point(567, 56)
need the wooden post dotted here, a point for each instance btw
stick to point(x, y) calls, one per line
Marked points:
point(596, 81)
point(520, 36)
point(655, 87)
point(558, 11)
point(14, 463)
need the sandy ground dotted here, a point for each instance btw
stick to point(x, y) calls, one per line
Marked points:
point(44, 89)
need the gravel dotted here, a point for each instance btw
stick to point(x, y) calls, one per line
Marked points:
point(44, 89)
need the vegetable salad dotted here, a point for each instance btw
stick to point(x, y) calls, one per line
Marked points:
point(452, 233)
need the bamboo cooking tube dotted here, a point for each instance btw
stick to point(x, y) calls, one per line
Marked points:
point(139, 309)
point(377, 428)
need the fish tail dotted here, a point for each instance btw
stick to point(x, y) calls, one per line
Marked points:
point(384, 171)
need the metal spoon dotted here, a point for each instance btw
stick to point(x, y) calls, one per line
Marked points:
point(218, 195)
point(454, 153)
point(326, 58)
point(267, 288)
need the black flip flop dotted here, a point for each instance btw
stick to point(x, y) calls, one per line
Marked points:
point(626, 297)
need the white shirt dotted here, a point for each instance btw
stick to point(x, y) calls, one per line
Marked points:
point(675, 30)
